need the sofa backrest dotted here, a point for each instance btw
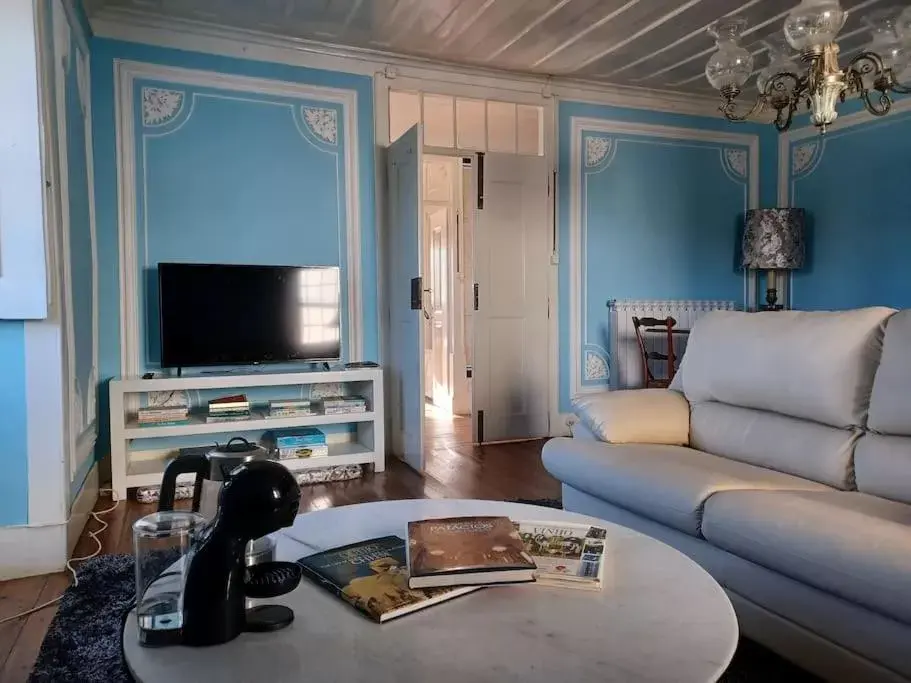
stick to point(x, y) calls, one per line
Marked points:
point(883, 456)
point(808, 365)
point(785, 390)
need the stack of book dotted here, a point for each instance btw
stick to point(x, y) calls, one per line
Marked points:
point(388, 577)
point(162, 416)
point(339, 405)
point(292, 407)
point(229, 409)
point(304, 442)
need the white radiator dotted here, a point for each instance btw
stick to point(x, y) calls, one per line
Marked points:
point(626, 360)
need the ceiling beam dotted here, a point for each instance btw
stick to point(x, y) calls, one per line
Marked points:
point(638, 34)
point(465, 26)
point(581, 34)
point(521, 34)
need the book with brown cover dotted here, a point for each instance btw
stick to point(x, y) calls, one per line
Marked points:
point(466, 551)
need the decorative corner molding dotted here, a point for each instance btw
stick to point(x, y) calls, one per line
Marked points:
point(323, 123)
point(596, 150)
point(160, 106)
point(803, 156)
point(736, 160)
point(596, 366)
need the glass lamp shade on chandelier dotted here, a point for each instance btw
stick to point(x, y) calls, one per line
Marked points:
point(810, 30)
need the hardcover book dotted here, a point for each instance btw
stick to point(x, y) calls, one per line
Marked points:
point(568, 555)
point(457, 551)
point(372, 577)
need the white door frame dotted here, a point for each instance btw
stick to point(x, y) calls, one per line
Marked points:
point(534, 95)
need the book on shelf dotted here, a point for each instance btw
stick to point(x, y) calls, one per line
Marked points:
point(344, 410)
point(295, 436)
point(343, 400)
point(290, 403)
point(232, 417)
point(372, 577)
point(228, 402)
point(290, 411)
point(458, 551)
point(566, 555)
point(313, 451)
point(166, 423)
point(161, 413)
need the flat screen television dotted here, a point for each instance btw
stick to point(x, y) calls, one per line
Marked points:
point(213, 314)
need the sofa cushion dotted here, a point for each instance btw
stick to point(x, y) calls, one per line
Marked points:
point(787, 444)
point(890, 402)
point(882, 465)
point(667, 484)
point(815, 366)
point(636, 416)
point(850, 544)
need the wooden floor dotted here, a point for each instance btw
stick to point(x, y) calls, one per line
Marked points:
point(455, 469)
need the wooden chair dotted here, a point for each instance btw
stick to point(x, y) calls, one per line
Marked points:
point(644, 325)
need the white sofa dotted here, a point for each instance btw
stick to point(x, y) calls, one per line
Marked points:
point(780, 460)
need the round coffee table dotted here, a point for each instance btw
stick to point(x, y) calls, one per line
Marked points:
point(660, 617)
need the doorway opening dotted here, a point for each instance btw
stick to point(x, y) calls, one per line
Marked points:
point(446, 264)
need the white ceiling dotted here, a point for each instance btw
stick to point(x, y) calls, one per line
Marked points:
point(657, 44)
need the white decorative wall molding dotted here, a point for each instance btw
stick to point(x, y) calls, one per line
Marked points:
point(803, 155)
point(323, 123)
point(737, 161)
point(160, 105)
point(596, 149)
point(596, 366)
point(579, 346)
point(125, 74)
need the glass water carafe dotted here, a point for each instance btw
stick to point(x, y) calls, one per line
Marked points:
point(162, 543)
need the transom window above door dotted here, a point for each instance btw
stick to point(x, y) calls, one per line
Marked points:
point(468, 124)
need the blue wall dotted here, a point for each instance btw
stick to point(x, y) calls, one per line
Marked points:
point(854, 183)
point(13, 427)
point(660, 218)
point(228, 176)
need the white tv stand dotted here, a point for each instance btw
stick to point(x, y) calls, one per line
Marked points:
point(131, 468)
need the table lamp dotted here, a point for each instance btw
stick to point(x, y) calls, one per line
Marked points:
point(772, 241)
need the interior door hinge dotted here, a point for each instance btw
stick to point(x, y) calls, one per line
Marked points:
point(480, 180)
point(476, 297)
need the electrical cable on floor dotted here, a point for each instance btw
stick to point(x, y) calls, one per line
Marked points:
point(69, 563)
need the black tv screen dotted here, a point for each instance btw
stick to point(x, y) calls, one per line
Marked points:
point(237, 314)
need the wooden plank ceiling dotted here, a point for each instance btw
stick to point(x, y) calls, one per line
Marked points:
point(656, 44)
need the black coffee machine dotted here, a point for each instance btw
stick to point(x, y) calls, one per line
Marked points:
point(258, 498)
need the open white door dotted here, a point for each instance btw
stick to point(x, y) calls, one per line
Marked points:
point(511, 257)
point(406, 316)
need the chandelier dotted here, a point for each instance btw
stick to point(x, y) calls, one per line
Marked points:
point(810, 29)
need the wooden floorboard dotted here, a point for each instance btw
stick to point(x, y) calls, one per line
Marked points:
point(454, 469)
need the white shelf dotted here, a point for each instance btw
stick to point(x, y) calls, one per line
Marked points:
point(130, 468)
point(148, 472)
point(227, 380)
point(257, 422)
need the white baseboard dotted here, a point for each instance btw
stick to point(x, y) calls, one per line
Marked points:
point(82, 506)
point(32, 550)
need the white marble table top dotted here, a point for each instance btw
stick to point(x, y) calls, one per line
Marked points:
point(660, 617)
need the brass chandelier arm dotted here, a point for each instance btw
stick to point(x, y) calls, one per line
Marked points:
point(871, 64)
point(779, 94)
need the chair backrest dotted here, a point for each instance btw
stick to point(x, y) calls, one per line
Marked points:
point(643, 326)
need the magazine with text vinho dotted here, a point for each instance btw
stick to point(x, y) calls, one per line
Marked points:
point(568, 555)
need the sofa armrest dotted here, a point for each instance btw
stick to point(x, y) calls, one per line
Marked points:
point(658, 416)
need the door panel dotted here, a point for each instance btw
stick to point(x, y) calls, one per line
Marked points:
point(511, 257)
point(406, 328)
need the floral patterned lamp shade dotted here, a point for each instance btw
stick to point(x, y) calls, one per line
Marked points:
point(774, 239)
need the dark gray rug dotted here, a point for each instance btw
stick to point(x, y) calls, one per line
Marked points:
point(83, 642)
